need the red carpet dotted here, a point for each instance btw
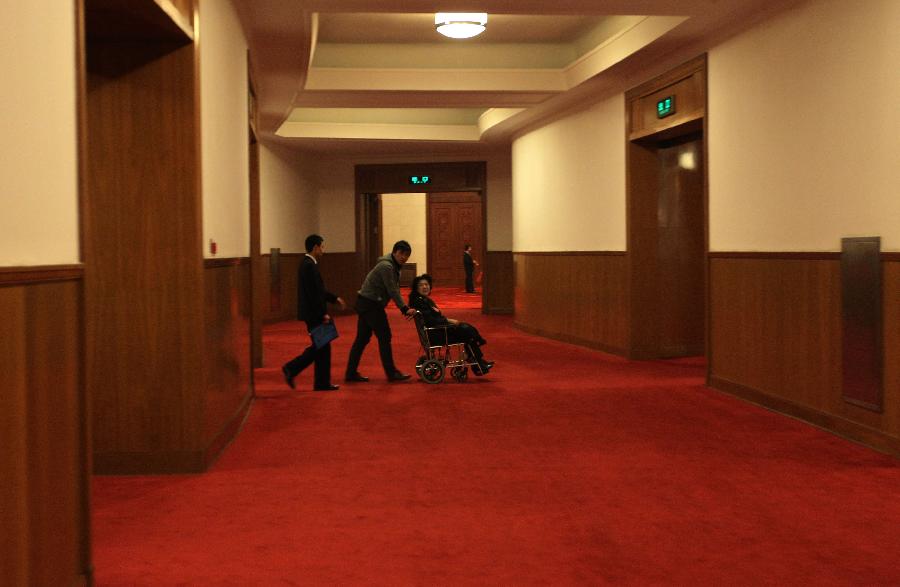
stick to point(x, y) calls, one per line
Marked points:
point(565, 466)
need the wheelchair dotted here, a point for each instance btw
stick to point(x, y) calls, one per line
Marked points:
point(440, 358)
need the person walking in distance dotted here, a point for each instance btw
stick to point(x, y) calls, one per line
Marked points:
point(312, 300)
point(469, 265)
point(380, 286)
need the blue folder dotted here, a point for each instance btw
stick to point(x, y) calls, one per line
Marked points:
point(323, 334)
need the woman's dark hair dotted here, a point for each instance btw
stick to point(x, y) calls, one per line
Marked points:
point(415, 282)
point(414, 286)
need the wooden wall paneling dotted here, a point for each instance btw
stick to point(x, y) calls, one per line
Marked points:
point(341, 278)
point(775, 339)
point(288, 263)
point(577, 297)
point(259, 294)
point(775, 323)
point(54, 424)
point(271, 278)
point(14, 490)
point(43, 504)
point(143, 266)
point(891, 301)
point(228, 340)
point(498, 282)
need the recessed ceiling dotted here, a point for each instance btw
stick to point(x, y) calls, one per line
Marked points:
point(350, 74)
point(379, 27)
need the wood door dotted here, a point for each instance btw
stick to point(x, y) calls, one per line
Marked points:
point(680, 247)
point(454, 219)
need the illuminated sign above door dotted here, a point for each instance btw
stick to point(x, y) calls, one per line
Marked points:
point(419, 179)
point(665, 107)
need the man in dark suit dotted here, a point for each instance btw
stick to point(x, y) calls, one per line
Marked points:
point(469, 265)
point(312, 300)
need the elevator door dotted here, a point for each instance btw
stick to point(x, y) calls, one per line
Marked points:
point(680, 247)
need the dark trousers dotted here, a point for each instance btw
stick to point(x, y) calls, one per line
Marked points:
point(470, 281)
point(322, 359)
point(371, 317)
point(468, 334)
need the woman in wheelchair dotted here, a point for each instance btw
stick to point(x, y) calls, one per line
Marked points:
point(457, 331)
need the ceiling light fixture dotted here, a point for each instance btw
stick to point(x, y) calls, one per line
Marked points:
point(460, 25)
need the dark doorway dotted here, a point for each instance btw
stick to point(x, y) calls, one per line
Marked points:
point(454, 219)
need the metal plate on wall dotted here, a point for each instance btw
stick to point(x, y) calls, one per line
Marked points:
point(861, 320)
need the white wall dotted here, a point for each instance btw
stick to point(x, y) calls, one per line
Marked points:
point(804, 139)
point(568, 182)
point(336, 206)
point(224, 130)
point(287, 202)
point(403, 217)
point(38, 155)
point(499, 201)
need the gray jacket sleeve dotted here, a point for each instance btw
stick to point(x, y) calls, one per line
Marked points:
point(389, 279)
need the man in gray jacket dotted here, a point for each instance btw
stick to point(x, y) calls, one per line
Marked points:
point(381, 286)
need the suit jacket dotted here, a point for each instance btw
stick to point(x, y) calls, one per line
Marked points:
point(468, 263)
point(312, 297)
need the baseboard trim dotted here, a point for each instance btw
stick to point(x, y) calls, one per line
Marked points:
point(573, 340)
point(149, 463)
point(228, 432)
point(854, 431)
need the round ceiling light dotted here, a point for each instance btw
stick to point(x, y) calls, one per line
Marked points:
point(460, 25)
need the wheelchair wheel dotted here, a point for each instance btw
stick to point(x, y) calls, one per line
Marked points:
point(421, 360)
point(460, 373)
point(432, 371)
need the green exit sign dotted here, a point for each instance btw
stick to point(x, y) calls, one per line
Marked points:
point(665, 107)
point(419, 179)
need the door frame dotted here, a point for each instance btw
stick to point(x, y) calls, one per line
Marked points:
point(393, 178)
point(428, 203)
point(644, 130)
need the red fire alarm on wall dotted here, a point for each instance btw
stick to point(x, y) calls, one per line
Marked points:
point(213, 247)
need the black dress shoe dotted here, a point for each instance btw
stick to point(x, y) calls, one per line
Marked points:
point(398, 376)
point(482, 368)
point(288, 378)
point(356, 378)
point(327, 388)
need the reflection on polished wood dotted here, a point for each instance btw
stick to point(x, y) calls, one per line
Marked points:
point(227, 371)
